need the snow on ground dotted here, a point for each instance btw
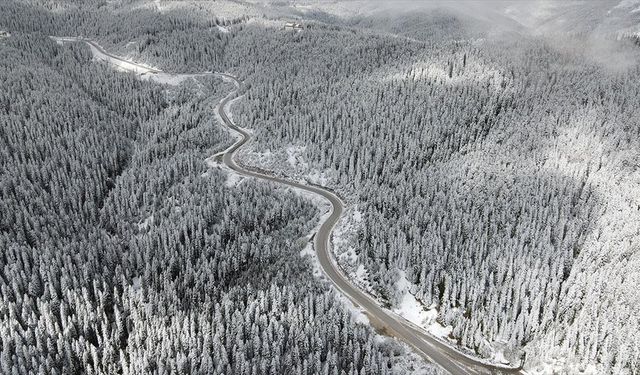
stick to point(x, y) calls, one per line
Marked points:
point(308, 251)
point(125, 65)
point(320, 178)
point(172, 79)
point(288, 163)
point(295, 158)
point(357, 216)
point(438, 330)
point(415, 312)
point(356, 312)
point(404, 360)
point(499, 357)
point(146, 223)
point(343, 236)
point(141, 70)
point(137, 283)
point(437, 70)
point(361, 278)
point(222, 29)
point(560, 366)
point(344, 249)
point(412, 309)
point(261, 158)
point(233, 179)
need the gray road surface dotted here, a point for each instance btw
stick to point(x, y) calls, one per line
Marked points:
point(383, 320)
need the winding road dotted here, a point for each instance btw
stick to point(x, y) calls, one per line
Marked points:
point(382, 319)
point(385, 321)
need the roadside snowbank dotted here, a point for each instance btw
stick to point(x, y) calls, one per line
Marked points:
point(414, 311)
point(143, 71)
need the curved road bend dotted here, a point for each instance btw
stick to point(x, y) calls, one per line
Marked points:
point(99, 48)
point(387, 322)
point(391, 324)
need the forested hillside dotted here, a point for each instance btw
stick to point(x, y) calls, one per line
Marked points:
point(500, 175)
point(123, 253)
point(177, 41)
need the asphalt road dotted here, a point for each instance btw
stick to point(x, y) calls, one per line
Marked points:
point(102, 51)
point(383, 320)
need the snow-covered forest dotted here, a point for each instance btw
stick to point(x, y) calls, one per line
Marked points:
point(501, 176)
point(498, 171)
point(123, 252)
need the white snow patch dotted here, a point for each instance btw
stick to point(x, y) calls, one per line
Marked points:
point(222, 29)
point(142, 70)
point(361, 271)
point(146, 223)
point(350, 257)
point(415, 312)
point(361, 277)
point(137, 283)
point(344, 249)
point(172, 79)
point(438, 330)
point(318, 177)
point(357, 215)
point(436, 70)
point(308, 251)
point(409, 307)
point(294, 156)
point(357, 314)
point(211, 161)
point(560, 366)
point(122, 64)
point(499, 357)
point(233, 179)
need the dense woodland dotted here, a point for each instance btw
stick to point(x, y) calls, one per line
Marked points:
point(176, 41)
point(497, 174)
point(500, 174)
point(122, 252)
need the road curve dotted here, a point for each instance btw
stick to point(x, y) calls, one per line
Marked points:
point(117, 60)
point(384, 320)
point(389, 323)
